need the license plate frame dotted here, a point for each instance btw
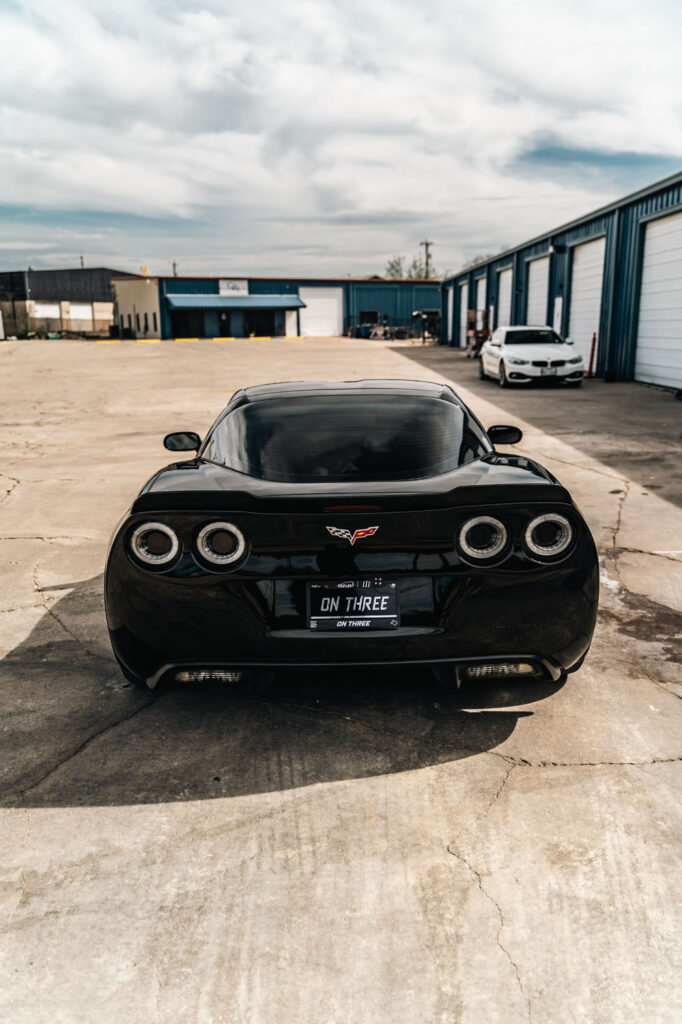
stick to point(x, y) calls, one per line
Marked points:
point(374, 604)
point(548, 371)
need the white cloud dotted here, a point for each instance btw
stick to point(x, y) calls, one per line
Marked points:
point(319, 136)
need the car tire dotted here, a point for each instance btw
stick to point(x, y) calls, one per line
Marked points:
point(482, 375)
point(502, 375)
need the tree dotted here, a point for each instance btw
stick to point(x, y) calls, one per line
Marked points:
point(397, 267)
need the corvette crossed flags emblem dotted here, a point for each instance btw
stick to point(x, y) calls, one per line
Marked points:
point(368, 531)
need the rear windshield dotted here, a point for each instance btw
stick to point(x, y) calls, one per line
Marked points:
point(328, 438)
point(528, 337)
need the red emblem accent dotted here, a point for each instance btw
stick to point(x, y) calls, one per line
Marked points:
point(368, 531)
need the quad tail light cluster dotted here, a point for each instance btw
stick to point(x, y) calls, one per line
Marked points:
point(481, 539)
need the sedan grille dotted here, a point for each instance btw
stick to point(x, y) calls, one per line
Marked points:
point(539, 362)
point(558, 362)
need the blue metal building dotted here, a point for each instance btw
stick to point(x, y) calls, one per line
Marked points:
point(614, 275)
point(208, 307)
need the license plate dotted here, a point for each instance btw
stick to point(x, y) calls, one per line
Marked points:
point(350, 606)
point(548, 371)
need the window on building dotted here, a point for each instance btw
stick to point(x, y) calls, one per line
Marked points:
point(154, 322)
point(146, 323)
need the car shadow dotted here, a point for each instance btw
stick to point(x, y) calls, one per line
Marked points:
point(76, 734)
point(633, 428)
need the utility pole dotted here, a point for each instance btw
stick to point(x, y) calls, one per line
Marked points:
point(427, 255)
point(175, 269)
point(82, 262)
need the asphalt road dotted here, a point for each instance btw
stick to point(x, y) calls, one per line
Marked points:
point(365, 849)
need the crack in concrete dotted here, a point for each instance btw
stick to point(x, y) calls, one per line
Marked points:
point(83, 746)
point(60, 622)
point(520, 762)
point(638, 551)
point(498, 937)
point(622, 498)
point(8, 490)
point(48, 540)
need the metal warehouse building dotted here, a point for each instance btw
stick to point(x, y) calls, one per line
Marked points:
point(616, 273)
point(45, 301)
point(208, 307)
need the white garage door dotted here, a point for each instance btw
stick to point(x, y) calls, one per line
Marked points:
point(480, 302)
point(323, 313)
point(587, 274)
point(658, 359)
point(463, 310)
point(504, 297)
point(538, 287)
point(451, 304)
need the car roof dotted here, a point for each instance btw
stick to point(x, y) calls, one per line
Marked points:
point(259, 392)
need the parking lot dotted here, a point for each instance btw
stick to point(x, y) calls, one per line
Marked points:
point(344, 849)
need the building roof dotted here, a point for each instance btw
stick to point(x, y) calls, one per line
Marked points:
point(375, 279)
point(633, 197)
point(234, 301)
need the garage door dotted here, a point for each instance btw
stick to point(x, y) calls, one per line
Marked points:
point(587, 274)
point(451, 304)
point(538, 287)
point(658, 358)
point(480, 302)
point(464, 303)
point(323, 313)
point(504, 297)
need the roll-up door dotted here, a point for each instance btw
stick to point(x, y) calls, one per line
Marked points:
point(480, 302)
point(451, 304)
point(658, 359)
point(538, 287)
point(504, 297)
point(587, 274)
point(323, 313)
point(463, 310)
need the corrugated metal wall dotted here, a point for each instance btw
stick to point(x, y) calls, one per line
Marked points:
point(623, 226)
point(396, 300)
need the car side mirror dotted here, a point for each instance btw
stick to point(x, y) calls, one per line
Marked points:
point(182, 441)
point(502, 434)
point(495, 344)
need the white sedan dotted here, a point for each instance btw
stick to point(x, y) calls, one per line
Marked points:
point(519, 355)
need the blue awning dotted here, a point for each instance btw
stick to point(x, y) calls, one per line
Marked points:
point(234, 302)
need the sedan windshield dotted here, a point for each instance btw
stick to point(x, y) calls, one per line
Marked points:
point(345, 437)
point(546, 337)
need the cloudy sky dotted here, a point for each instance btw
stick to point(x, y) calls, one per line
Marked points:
point(323, 136)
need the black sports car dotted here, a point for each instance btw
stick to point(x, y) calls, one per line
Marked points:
point(358, 523)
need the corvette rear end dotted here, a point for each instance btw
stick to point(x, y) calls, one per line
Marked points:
point(484, 569)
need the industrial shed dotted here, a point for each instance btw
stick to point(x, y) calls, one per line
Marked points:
point(79, 301)
point(207, 307)
point(615, 273)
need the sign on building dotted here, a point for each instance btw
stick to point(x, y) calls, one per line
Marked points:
point(228, 286)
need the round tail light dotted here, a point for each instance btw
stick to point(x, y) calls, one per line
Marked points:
point(154, 543)
point(549, 535)
point(221, 543)
point(483, 537)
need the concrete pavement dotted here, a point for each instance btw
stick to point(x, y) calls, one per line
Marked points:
point(349, 850)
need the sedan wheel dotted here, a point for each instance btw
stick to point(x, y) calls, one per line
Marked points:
point(482, 375)
point(502, 375)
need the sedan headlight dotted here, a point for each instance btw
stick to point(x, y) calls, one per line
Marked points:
point(576, 359)
point(154, 544)
point(483, 537)
point(221, 543)
point(549, 535)
point(517, 362)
